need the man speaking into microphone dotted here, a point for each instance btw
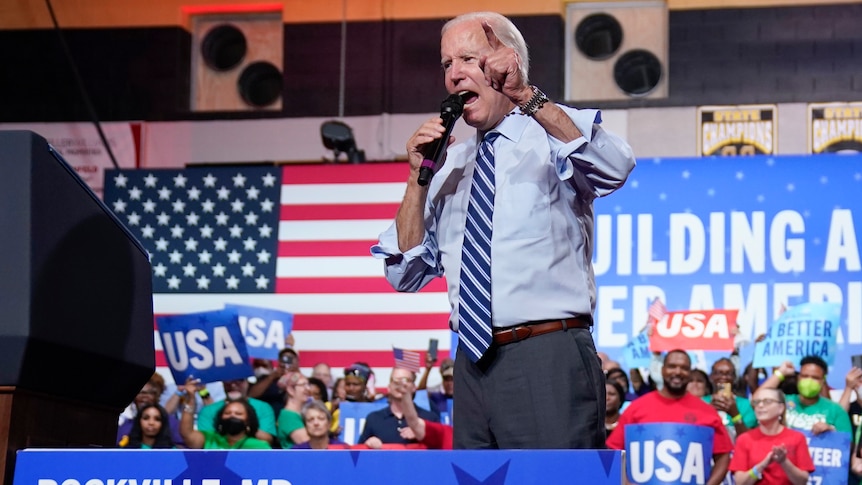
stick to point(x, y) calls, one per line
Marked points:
point(508, 218)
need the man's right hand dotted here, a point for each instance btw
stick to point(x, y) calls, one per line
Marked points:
point(787, 369)
point(418, 144)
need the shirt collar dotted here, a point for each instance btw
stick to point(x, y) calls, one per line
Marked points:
point(512, 126)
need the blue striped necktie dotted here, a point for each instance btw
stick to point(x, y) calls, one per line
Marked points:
point(474, 296)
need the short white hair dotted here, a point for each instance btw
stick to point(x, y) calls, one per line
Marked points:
point(505, 30)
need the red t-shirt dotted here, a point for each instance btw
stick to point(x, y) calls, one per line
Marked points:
point(437, 436)
point(655, 408)
point(753, 446)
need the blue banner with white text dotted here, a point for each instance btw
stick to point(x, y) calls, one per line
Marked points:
point(668, 453)
point(830, 452)
point(206, 345)
point(755, 234)
point(312, 467)
point(264, 329)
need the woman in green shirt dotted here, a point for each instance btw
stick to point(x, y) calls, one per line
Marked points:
point(235, 426)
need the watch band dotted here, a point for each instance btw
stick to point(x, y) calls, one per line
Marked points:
point(535, 103)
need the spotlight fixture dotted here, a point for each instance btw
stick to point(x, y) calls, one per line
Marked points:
point(338, 137)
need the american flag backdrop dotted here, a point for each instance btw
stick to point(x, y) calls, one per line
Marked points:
point(292, 238)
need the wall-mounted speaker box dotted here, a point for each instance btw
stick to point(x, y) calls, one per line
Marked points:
point(237, 61)
point(616, 50)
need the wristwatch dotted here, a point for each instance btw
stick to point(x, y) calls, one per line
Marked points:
point(535, 103)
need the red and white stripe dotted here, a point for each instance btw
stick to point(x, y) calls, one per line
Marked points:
point(344, 309)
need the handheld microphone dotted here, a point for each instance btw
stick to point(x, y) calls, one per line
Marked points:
point(450, 111)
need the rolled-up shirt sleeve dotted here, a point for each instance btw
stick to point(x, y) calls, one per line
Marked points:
point(598, 162)
point(411, 270)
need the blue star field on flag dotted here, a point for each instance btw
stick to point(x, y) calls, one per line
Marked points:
point(212, 229)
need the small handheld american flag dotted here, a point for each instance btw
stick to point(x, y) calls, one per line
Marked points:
point(407, 359)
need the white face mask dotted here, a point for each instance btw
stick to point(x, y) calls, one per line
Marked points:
point(261, 372)
point(234, 395)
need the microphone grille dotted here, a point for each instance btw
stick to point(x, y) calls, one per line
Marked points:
point(453, 104)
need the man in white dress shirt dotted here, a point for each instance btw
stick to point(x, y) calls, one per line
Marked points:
point(527, 374)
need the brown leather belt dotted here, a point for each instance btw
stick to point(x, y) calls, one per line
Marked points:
point(509, 335)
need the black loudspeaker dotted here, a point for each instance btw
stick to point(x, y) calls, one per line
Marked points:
point(237, 61)
point(76, 285)
point(616, 50)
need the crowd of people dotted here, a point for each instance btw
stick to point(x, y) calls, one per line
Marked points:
point(527, 373)
point(281, 408)
point(756, 423)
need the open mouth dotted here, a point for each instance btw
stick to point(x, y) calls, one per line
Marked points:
point(468, 96)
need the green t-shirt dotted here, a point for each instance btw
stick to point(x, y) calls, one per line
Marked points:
point(288, 422)
point(215, 441)
point(265, 416)
point(824, 410)
point(745, 410)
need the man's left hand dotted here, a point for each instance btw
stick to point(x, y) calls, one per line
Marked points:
point(502, 69)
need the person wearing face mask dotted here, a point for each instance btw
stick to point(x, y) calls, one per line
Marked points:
point(809, 410)
point(238, 389)
point(235, 427)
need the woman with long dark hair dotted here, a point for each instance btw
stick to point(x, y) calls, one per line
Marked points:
point(150, 429)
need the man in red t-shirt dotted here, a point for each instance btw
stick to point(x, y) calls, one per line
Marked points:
point(673, 404)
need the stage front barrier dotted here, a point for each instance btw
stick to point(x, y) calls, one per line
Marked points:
point(301, 467)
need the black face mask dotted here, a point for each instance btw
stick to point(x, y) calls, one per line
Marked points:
point(231, 426)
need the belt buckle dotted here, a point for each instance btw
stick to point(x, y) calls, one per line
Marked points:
point(515, 337)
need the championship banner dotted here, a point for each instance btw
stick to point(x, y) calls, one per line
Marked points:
point(830, 453)
point(668, 453)
point(802, 330)
point(206, 345)
point(303, 467)
point(82, 148)
point(637, 353)
point(351, 418)
point(835, 127)
point(736, 130)
point(264, 329)
point(695, 330)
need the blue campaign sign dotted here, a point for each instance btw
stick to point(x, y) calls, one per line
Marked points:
point(664, 453)
point(802, 330)
point(733, 233)
point(636, 353)
point(264, 329)
point(206, 345)
point(297, 467)
point(351, 418)
point(830, 453)
point(420, 399)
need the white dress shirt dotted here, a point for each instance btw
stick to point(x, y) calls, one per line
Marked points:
point(541, 249)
